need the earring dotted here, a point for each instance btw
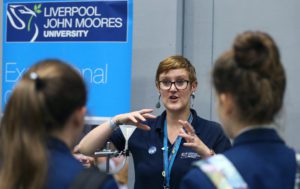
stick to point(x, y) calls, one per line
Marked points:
point(158, 103)
point(193, 98)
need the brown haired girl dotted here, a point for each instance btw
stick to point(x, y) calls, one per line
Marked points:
point(250, 82)
point(41, 122)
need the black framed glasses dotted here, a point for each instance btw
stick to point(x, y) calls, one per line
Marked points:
point(179, 84)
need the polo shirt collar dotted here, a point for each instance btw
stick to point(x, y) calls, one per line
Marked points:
point(159, 126)
point(257, 135)
point(54, 143)
point(161, 121)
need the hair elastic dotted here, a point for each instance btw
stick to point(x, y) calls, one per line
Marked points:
point(38, 82)
point(33, 76)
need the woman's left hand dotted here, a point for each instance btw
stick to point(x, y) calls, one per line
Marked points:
point(193, 141)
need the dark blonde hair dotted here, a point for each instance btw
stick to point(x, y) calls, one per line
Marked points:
point(253, 74)
point(176, 62)
point(42, 102)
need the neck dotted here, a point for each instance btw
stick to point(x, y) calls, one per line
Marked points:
point(65, 136)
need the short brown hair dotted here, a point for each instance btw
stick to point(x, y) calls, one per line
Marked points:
point(176, 62)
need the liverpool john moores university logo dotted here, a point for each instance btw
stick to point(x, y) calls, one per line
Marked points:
point(19, 17)
point(67, 21)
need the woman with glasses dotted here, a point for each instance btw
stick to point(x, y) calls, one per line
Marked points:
point(250, 82)
point(161, 157)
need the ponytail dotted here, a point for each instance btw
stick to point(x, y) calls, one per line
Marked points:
point(22, 138)
point(41, 103)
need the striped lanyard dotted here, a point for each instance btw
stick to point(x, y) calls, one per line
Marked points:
point(169, 159)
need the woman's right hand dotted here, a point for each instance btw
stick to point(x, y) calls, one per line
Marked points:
point(97, 137)
point(135, 118)
point(193, 141)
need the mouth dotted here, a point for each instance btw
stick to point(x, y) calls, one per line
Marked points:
point(173, 98)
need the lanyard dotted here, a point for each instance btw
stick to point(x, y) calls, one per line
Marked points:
point(169, 159)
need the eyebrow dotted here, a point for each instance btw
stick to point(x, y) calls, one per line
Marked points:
point(176, 77)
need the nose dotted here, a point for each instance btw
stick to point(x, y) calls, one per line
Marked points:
point(173, 87)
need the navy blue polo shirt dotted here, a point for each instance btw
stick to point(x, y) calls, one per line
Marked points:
point(62, 166)
point(146, 149)
point(262, 159)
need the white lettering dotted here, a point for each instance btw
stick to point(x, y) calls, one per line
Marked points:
point(98, 23)
point(100, 75)
point(65, 33)
point(7, 95)
point(71, 11)
point(53, 23)
point(12, 72)
point(95, 76)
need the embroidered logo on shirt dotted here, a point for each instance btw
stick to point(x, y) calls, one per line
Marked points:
point(192, 155)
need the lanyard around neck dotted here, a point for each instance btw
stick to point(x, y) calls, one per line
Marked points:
point(169, 159)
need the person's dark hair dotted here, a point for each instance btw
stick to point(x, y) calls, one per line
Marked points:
point(253, 74)
point(43, 100)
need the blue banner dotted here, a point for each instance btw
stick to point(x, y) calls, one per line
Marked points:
point(94, 36)
point(67, 21)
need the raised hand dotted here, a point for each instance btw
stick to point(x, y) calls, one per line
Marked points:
point(135, 118)
point(193, 141)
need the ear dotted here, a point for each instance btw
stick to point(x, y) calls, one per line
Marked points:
point(227, 102)
point(78, 118)
point(157, 87)
point(83, 111)
point(194, 86)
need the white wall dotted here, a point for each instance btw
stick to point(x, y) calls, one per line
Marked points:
point(281, 20)
point(157, 34)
